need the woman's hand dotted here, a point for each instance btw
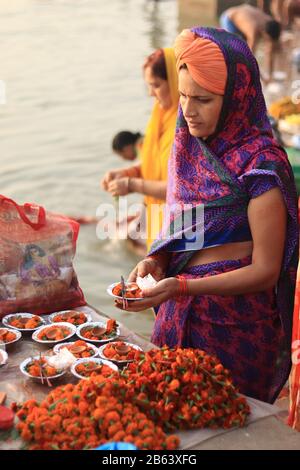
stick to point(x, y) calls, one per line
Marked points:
point(110, 176)
point(165, 290)
point(119, 187)
point(148, 266)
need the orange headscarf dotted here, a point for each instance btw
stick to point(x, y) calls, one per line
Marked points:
point(204, 60)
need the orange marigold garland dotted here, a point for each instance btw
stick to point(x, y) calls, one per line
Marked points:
point(185, 389)
point(161, 391)
point(86, 415)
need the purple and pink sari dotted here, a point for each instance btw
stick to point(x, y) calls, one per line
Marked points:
point(250, 334)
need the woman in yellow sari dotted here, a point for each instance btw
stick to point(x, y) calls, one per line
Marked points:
point(150, 176)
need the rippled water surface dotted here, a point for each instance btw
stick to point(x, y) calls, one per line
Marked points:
point(73, 78)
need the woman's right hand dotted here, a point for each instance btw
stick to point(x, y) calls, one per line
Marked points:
point(148, 266)
point(110, 176)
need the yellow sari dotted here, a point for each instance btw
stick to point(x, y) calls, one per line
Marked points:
point(157, 145)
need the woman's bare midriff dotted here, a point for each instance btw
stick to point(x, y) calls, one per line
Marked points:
point(230, 251)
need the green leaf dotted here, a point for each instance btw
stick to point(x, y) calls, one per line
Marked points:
point(52, 407)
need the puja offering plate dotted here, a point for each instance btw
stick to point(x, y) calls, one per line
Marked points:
point(54, 333)
point(23, 321)
point(132, 291)
point(80, 349)
point(9, 336)
point(99, 332)
point(70, 316)
point(37, 368)
point(83, 368)
point(119, 352)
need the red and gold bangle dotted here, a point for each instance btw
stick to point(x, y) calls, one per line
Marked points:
point(183, 287)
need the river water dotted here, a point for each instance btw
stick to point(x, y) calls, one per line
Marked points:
point(72, 74)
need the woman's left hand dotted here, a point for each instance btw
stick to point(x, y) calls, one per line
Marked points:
point(163, 291)
point(119, 187)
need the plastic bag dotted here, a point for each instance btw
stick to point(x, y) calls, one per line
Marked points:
point(36, 254)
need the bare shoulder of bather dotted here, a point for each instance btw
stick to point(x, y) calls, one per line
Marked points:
point(250, 21)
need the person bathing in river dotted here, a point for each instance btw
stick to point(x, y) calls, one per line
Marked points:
point(128, 145)
point(227, 279)
point(252, 24)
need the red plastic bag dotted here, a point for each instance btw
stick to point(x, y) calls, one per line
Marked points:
point(36, 253)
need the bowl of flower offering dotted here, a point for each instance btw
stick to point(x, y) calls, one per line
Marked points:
point(23, 321)
point(119, 352)
point(55, 333)
point(80, 349)
point(70, 316)
point(9, 336)
point(132, 291)
point(39, 369)
point(86, 368)
point(99, 332)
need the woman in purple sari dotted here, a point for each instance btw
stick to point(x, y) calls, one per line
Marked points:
point(226, 260)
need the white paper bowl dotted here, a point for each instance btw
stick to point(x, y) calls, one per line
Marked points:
point(53, 315)
point(38, 379)
point(17, 333)
point(122, 362)
point(71, 327)
point(93, 325)
point(60, 346)
point(97, 360)
point(110, 288)
point(6, 321)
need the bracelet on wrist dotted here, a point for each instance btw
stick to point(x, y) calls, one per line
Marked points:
point(183, 286)
point(129, 189)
